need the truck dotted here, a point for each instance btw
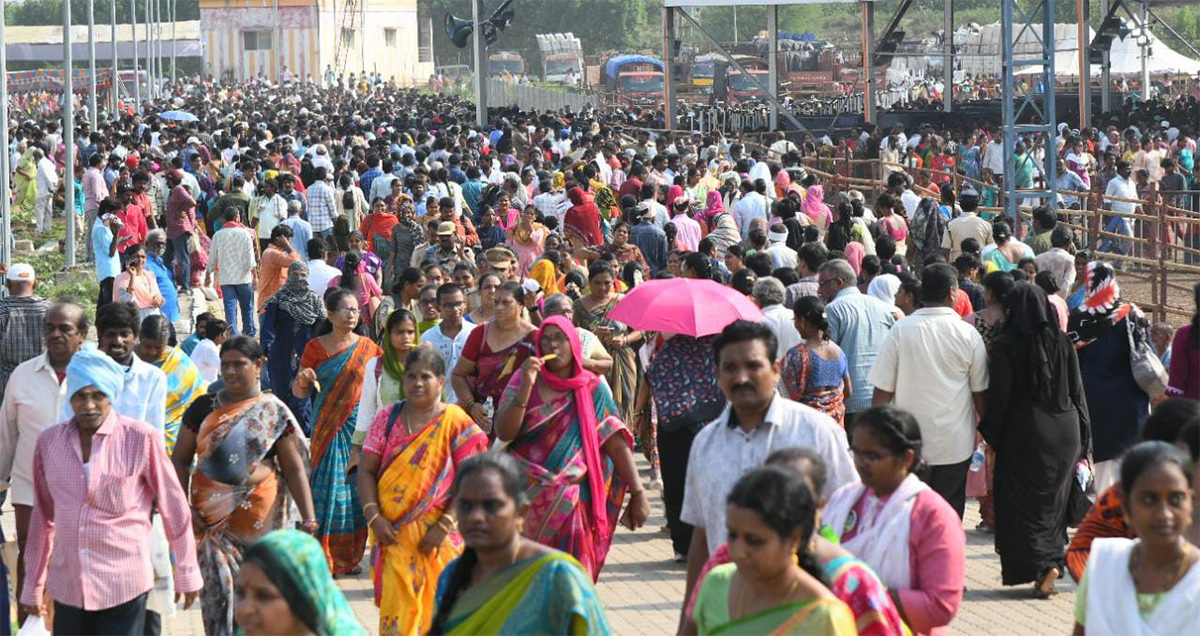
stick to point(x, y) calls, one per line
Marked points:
point(636, 80)
point(503, 63)
point(562, 58)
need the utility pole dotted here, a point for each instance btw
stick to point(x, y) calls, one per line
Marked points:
point(173, 34)
point(137, 74)
point(92, 115)
point(276, 44)
point(149, 49)
point(68, 112)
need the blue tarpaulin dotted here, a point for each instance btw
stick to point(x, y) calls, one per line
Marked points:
point(614, 64)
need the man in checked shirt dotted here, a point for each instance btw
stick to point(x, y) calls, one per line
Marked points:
point(22, 315)
point(96, 478)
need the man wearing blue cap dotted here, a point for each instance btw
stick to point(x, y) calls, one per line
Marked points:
point(96, 479)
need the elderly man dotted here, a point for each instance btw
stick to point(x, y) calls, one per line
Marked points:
point(156, 246)
point(756, 421)
point(98, 527)
point(769, 295)
point(30, 408)
point(858, 324)
point(21, 320)
point(302, 231)
point(781, 254)
point(934, 365)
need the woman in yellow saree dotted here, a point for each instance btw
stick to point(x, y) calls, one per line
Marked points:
point(405, 472)
point(504, 583)
point(184, 383)
point(768, 589)
point(25, 181)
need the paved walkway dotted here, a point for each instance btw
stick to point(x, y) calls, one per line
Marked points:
point(641, 589)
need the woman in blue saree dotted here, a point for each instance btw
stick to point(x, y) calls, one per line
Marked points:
point(332, 369)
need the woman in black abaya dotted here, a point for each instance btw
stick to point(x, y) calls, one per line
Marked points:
point(1037, 422)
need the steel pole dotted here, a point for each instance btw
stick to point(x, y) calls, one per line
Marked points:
point(480, 49)
point(149, 48)
point(158, 31)
point(173, 35)
point(137, 73)
point(868, 62)
point(669, 34)
point(116, 60)
point(1106, 70)
point(1145, 54)
point(1085, 65)
point(68, 113)
point(773, 63)
point(276, 44)
point(948, 56)
point(93, 117)
point(5, 157)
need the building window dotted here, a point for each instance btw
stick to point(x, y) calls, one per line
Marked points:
point(348, 37)
point(256, 40)
point(389, 38)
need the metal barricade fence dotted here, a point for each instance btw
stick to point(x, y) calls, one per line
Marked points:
point(529, 97)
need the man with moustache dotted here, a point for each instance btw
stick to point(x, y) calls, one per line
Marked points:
point(756, 420)
point(29, 408)
point(96, 479)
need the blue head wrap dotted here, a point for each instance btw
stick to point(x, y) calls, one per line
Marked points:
point(90, 367)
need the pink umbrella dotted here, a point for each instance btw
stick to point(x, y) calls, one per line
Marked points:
point(683, 306)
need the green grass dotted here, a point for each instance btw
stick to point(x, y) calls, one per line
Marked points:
point(47, 264)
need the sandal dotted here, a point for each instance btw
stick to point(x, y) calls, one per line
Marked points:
point(1044, 586)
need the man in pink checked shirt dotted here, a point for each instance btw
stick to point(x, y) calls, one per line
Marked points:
point(96, 478)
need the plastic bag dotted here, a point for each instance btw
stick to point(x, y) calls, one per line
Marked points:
point(33, 626)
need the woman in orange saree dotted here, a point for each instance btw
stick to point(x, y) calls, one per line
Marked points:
point(406, 471)
point(333, 368)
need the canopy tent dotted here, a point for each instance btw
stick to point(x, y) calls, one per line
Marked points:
point(51, 80)
point(45, 43)
point(978, 50)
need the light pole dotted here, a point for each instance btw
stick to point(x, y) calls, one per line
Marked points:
point(68, 112)
point(5, 208)
point(112, 6)
point(172, 9)
point(137, 73)
point(92, 116)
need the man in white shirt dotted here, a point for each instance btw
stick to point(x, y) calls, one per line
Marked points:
point(967, 225)
point(232, 255)
point(769, 295)
point(756, 422)
point(781, 255)
point(934, 365)
point(319, 272)
point(450, 335)
point(267, 210)
point(1124, 187)
point(31, 405)
point(47, 185)
point(750, 206)
point(993, 158)
point(144, 397)
point(781, 147)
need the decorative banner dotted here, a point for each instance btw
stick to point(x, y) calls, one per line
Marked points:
point(51, 80)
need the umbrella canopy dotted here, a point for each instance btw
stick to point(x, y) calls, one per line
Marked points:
point(178, 115)
point(683, 306)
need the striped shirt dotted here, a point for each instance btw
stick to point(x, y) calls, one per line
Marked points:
point(96, 521)
point(22, 332)
point(322, 208)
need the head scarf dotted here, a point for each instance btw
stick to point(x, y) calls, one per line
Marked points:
point(581, 383)
point(1101, 308)
point(884, 287)
point(90, 367)
point(296, 564)
point(391, 385)
point(854, 254)
point(543, 272)
point(713, 205)
point(297, 299)
point(1029, 316)
point(606, 201)
point(673, 192)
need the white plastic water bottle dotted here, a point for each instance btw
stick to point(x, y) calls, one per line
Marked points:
point(977, 459)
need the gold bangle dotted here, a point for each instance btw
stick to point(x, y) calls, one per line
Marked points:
point(372, 520)
point(368, 506)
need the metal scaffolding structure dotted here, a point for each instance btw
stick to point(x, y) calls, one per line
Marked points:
point(1035, 107)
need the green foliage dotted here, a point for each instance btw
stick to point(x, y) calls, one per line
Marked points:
point(44, 12)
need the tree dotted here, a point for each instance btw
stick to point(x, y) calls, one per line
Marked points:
point(49, 12)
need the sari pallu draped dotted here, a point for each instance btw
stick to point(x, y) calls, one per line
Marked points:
point(547, 594)
point(184, 385)
point(238, 493)
point(827, 615)
point(343, 530)
point(414, 490)
point(551, 449)
point(623, 376)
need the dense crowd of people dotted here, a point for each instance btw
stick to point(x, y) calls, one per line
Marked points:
point(421, 364)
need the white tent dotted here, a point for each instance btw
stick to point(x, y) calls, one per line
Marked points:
point(978, 50)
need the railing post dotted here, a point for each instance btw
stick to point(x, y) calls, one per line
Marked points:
point(1163, 246)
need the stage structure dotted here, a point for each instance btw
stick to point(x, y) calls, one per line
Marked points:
point(1035, 107)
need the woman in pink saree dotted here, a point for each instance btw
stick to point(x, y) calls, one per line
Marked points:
point(814, 203)
point(561, 423)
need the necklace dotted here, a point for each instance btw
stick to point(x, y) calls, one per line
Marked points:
point(410, 413)
point(739, 606)
point(1135, 564)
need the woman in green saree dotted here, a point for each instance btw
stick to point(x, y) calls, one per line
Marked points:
point(504, 583)
point(767, 589)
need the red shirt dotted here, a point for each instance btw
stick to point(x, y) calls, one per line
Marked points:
point(135, 228)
